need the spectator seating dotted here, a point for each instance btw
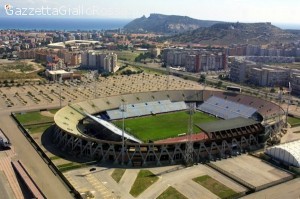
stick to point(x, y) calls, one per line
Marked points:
point(226, 109)
point(147, 108)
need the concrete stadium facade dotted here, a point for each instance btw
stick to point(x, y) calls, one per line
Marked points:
point(69, 136)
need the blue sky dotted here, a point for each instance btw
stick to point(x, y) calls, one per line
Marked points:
point(275, 11)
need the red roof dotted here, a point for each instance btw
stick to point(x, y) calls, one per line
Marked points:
point(195, 137)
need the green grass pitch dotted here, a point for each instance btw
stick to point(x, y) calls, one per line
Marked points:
point(162, 126)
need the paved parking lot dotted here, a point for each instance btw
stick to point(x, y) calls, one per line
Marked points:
point(286, 190)
point(102, 185)
point(252, 170)
point(48, 94)
point(246, 167)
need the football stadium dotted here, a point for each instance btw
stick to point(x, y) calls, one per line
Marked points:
point(166, 127)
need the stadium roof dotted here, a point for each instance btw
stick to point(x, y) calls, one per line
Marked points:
point(222, 125)
point(113, 128)
point(289, 153)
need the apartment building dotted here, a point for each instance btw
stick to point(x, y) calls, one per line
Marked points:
point(280, 50)
point(270, 59)
point(265, 76)
point(295, 83)
point(195, 60)
point(240, 70)
point(99, 60)
point(245, 71)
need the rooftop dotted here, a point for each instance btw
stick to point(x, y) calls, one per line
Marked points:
point(223, 125)
point(59, 72)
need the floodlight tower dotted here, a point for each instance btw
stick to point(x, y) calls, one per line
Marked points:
point(60, 82)
point(123, 109)
point(204, 86)
point(288, 104)
point(279, 112)
point(189, 149)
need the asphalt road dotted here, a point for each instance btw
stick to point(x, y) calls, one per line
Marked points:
point(49, 183)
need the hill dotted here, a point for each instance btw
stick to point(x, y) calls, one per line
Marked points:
point(159, 23)
point(236, 33)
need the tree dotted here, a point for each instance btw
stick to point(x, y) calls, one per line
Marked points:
point(219, 84)
point(202, 79)
point(272, 90)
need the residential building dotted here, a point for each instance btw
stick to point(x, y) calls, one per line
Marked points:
point(99, 60)
point(195, 60)
point(270, 59)
point(295, 83)
point(244, 71)
point(240, 70)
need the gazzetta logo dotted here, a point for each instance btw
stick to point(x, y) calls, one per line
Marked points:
point(79, 10)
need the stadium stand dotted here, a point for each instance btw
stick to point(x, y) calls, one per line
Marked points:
point(146, 108)
point(226, 109)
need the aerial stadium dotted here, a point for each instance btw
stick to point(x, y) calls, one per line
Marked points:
point(166, 127)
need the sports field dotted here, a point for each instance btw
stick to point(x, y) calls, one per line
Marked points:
point(162, 126)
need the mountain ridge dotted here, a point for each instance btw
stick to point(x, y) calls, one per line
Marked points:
point(236, 33)
point(159, 23)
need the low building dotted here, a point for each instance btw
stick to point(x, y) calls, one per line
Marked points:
point(55, 75)
point(62, 45)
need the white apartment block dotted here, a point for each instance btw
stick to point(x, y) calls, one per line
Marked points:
point(99, 60)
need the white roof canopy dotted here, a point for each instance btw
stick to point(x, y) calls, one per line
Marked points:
point(288, 153)
point(113, 128)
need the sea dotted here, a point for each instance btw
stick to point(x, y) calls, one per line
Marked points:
point(74, 24)
point(62, 24)
point(287, 26)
